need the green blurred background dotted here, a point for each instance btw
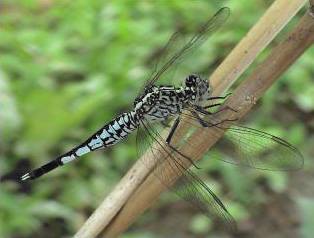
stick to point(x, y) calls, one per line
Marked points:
point(67, 67)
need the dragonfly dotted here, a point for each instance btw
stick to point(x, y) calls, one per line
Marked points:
point(160, 107)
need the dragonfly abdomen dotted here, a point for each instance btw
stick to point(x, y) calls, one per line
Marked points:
point(108, 135)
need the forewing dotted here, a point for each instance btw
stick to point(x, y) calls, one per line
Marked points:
point(178, 48)
point(172, 168)
point(247, 146)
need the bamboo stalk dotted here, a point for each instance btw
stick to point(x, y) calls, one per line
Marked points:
point(243, 98)
point(259, 36)
point(311, 7)
point(136, 175)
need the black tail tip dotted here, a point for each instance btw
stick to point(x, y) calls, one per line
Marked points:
point(33, 174)
point(41, 170)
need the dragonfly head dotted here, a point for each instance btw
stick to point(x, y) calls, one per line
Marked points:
point(197, 88)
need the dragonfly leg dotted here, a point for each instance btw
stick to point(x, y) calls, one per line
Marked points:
point(168, 140)
point(212, 105)
point(174, 127)
point(184, 156)
point(221, 97)
point(204, 123)
point(202, 109)
point(199, 119)
point(218, 104)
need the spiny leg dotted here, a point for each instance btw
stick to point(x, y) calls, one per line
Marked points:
point(221, 97)
point(168, 141)
point(202, 109)
point(206, 124)
point(209, 106)
point(172, 130)
point(217, 104)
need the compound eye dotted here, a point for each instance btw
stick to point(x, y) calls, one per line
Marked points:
point(189, 81)
point(194, 77)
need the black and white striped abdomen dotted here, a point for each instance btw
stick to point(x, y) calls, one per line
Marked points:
point(108, 135)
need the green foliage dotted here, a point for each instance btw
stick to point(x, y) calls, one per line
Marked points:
point(68, 67)
point(200, 224)
point(307, 215)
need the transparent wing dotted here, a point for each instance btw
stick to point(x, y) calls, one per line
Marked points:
point(177, 48)
point(169, 164)
point(247, 146)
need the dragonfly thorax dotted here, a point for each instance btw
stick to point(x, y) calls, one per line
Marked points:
point(161, 102)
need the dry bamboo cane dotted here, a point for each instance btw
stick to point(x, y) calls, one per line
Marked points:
point(311, 7)
point(256, 40)
point(243, 98)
